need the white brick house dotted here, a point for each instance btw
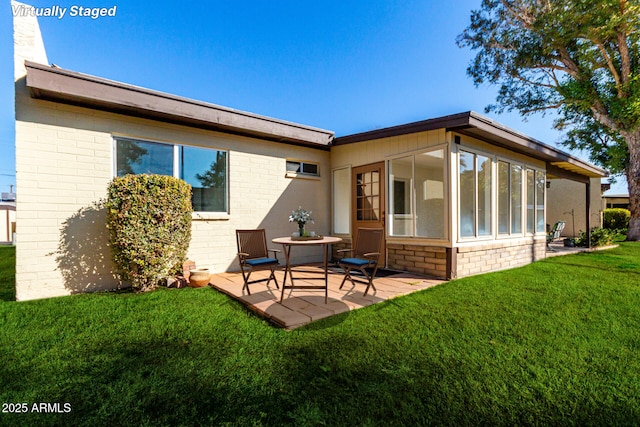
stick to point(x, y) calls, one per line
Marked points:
point(458, 195)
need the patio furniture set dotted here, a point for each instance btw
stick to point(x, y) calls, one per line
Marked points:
point(253, 255)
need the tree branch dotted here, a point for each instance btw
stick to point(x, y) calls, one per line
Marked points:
point(566, 59)
point(610, 64)
point(531, 82)
point(600, 114)
point(623, 48)
point(545, 108)
point(526, 21)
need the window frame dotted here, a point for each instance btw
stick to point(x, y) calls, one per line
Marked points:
point(412, 190)
point(302, 173)
point(176, 168)
point(535, 171)
point(495, 234)
point(523, 215)
point(492, 197)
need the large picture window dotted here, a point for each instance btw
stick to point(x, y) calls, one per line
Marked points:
point(474, 183)
point(417, 189)
point(204, 169)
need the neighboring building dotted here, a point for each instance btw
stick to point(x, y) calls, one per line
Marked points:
point(7, 222)
point(458, 195)
point(8, 197)
point(566, 202)
point(616, 201)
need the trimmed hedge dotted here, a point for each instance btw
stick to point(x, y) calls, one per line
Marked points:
point(149, 222)
point(616, 219)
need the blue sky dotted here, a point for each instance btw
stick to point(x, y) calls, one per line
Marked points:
point(346, 66)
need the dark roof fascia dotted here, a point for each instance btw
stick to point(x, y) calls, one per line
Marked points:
point(478, 126)
point(455, 120)
point(496, 133)
point(70, 87)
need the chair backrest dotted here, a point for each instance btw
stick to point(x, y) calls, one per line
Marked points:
point(555, 232)
point(252, 242)
point(558, 227)
point(368, 240)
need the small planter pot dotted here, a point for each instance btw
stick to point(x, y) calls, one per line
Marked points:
point(199, 277)
point(569, 243)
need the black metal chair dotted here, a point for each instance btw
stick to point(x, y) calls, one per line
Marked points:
point(365, 256)
point(253, 255)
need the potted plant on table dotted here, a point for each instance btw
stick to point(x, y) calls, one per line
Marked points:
point(301, 216)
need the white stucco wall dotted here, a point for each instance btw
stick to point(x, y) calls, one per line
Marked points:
point(564, 196)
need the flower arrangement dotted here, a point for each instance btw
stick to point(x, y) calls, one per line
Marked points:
point(301, 217)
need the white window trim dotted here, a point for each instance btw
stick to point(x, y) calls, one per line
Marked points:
point(493, 203)
point(535, 210)
point(495, 158)
point(523, 200)
point(302, 175)
point(446, 195)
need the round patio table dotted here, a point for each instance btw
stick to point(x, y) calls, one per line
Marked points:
point(287, 243)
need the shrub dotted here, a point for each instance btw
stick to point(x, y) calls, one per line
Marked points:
point(599, 237)
point(616, 219)
point(149, 222)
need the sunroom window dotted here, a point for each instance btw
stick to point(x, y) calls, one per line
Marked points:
point(509, 198)
point(417, 189)
point(204, 169)
point(474, 183)
point(535, 186)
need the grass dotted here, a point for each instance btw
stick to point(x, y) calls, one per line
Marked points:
point(552, 343)
point(7, 273)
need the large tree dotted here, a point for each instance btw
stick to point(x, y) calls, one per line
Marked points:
point(579, 57)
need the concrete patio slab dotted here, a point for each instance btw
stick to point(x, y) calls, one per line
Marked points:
point(303, 306)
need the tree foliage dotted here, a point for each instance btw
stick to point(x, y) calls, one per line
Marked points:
point(579, 57)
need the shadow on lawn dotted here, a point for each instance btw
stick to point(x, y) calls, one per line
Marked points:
point(155, 382)
point(314, 378)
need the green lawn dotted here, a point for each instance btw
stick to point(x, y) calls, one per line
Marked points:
point(7, 273)
point(554, 343)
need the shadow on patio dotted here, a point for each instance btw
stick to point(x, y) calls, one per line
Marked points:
point(302, 306)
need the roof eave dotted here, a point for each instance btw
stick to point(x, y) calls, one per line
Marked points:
point(478, 126)
point(69, 87)
point(498, 134)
